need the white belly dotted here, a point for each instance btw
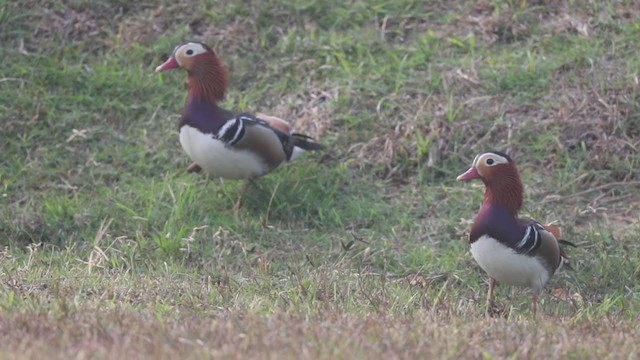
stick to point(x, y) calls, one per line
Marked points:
point(508, 267)
point(217, 159)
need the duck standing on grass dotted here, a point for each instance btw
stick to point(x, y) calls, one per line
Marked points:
point(511, 250)
point(223, 143)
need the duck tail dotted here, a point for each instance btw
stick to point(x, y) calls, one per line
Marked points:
point(305, 142)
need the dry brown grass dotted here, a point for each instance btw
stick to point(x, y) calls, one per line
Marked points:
point(310, 112)
point(117, 334)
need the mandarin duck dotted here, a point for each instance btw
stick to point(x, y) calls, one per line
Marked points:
point(511, 250)
point(224, 143)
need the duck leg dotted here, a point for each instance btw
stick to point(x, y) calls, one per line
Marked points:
point(243, 189)
point(490, 302)
point(534, 304)
point(194, 168)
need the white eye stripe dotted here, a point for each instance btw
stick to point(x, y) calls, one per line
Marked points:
point(193, 47)
point(197, 48)
point(483, 158)
point(475, 160)
point(500, 159)
point(190, 49)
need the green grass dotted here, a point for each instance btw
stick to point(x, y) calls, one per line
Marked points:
point(110, 249)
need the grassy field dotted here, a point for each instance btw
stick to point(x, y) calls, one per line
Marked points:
point(110, 250)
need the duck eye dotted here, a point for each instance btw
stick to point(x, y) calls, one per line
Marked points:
point(189, 52)
point(490, 161)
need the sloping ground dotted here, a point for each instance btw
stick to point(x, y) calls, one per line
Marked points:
point(404, 87)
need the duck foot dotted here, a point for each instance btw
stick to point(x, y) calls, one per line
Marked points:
point(238, 204)
point(194, 168)
point(534, 305)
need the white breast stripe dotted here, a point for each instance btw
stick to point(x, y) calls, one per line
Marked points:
point(238, 133)
point(226, 126)
point(524, 238)
point(232, 131)
point(537, 240)
point(530, 241)
point(246, 118)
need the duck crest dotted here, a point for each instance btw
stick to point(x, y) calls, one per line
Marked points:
point(507, 191)
point(207, 82)
point(208, 79)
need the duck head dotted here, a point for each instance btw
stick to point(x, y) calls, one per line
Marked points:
point(500, 176)
point(207, 76)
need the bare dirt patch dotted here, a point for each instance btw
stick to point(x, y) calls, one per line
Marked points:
point(65, 25)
